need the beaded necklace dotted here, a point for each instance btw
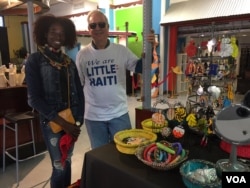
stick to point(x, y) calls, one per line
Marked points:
point(66, 60)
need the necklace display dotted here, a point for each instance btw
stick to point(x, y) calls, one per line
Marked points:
point(66, 60)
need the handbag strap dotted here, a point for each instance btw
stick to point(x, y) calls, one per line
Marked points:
point(68, 86)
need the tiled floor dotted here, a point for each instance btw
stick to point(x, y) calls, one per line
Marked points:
point(35, 173)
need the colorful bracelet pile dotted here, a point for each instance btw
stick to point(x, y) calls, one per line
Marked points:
point(164, 153)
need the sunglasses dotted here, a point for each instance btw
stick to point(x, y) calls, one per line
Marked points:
point(100, 25)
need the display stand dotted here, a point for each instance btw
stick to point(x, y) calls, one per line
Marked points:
point(213, 74)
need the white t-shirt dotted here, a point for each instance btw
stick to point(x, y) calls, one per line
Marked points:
point(103, 75)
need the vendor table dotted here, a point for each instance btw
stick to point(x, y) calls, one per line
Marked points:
point(106, 167)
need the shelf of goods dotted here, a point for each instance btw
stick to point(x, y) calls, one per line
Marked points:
point(211, 81)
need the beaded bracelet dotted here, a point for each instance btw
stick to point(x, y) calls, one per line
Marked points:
point(169, 158)
point(149, 153)
point(165, 148)
point(145, 152)
point(164, 156)
point(159, 155)
point(178, 147)
point(183, 153)
point(175, 159)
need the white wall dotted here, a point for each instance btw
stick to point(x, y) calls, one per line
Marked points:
point(176, 1)
point(64, 9)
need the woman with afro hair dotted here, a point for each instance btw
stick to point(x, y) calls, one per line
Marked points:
point(53, 85)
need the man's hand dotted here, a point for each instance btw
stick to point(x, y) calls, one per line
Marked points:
point(151, 37)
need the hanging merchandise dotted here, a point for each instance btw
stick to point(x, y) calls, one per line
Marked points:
point(226, 48)
point(200, 90)
point(155, 72)
point(200, 69)
point(220, 75)
point(230, 93)
point(226, 102)
point(213, 69)
point(190, 69)
point(210, 114)
point(204, 45)
point(210, 45)
point(214, 91)
point(203, 101)
point(191, 49)
point(235, 48)
point(218, 46)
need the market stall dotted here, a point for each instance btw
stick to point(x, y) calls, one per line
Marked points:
point(107, 167)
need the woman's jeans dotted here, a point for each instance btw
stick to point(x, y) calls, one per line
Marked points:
point(102, 132)
point(61, 175)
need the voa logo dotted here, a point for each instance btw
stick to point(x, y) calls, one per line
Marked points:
point(236, 179)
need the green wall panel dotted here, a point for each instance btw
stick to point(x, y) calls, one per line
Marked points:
point(134, 17)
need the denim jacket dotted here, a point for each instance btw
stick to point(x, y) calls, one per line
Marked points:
point(44, 91)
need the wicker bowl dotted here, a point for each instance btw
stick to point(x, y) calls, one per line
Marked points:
point(147, 125)
point(126, 148)
point(192, 165)
point(156, 165)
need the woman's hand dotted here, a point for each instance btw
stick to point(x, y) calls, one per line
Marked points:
point(69, 128)
point(72, 130)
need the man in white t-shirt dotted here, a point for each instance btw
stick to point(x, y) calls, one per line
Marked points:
point(102, 69)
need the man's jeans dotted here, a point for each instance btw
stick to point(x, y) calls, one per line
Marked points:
point(102, 132)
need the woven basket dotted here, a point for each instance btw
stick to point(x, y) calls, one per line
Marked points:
point(192, 165)
point(131, 148)
point(147, 124)
point(158, 166)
